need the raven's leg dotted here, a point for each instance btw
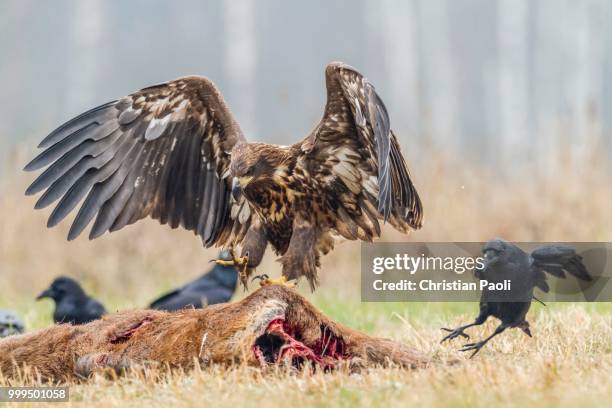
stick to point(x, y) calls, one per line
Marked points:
point(459, 330)
point(477, 346)
point(456, 332)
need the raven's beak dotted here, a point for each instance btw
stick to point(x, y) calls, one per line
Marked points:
point(45, 294)
point(236, 189)
point(527, 331)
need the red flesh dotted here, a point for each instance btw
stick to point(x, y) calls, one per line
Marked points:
point(125, 335)
point(324, 353)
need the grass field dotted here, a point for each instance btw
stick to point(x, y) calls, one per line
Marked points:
point(567, 363)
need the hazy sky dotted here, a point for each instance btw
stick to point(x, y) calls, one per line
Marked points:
point(477, 76)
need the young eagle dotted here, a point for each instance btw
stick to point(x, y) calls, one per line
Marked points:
point(174, 152)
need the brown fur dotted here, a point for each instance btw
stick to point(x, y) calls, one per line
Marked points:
point(223, 334)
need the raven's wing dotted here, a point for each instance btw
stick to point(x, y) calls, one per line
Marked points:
point(95, 309)
point(162, 300)
point(558, 259)
point(219, 294)
point(161, 152)
point(218, 276)
point(355, 156)
point(212, 286)
point(540, 281)
point(178, 300)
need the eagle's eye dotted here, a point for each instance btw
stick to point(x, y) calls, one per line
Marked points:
point(250, 171)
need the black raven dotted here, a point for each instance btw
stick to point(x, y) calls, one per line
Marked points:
point(216, 286)
point(505, 261)
point(10, 324)
point(72, 305)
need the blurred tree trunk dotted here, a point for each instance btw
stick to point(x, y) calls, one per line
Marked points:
point(86, 53)
point(240, 61)
point(401, 53)
point(513, 81)
point(438, 65)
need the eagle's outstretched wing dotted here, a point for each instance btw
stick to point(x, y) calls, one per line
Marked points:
point(354, 154)
point(161, 152)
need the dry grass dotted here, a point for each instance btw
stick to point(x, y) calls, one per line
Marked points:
point(568, 362)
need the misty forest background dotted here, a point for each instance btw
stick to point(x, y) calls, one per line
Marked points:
point(503, 109)
point(502, 82)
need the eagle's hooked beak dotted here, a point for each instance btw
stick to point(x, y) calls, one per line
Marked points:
point(236, 189)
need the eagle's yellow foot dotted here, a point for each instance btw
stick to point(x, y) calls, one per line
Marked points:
point(240, 262)
point(264, 280)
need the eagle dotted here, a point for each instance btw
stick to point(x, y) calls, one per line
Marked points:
point(174, 152)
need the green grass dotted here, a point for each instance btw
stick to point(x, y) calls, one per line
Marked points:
point(567, 363)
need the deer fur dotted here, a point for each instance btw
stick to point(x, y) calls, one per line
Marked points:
point(217, 334)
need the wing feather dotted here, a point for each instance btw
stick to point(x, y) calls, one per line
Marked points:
point(77, 160)
point(96, 115)
point(558, 259)
point(355, 156)
point(160, 152)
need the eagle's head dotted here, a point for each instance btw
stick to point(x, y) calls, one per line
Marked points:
point(257, 163)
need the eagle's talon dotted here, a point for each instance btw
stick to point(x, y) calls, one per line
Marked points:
point(240, 261)
point(262, 277)
point(223, 262)
point(265, 280)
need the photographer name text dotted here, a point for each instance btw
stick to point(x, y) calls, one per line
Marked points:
point(444, 285)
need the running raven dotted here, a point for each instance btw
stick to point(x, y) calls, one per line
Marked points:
point(504, 260)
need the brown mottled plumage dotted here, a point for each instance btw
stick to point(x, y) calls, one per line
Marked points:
point(174, 152)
